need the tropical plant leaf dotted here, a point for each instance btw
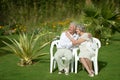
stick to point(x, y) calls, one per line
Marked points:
point(26, 47)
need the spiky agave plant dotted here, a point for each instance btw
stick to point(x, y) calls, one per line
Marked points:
point(26, 47)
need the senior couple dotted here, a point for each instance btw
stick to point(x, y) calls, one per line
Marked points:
point(75, 35)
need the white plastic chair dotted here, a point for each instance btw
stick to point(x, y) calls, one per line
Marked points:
point(94, 59)
point(52, 59)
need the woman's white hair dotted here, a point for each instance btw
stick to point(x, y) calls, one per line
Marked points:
point(81, 27)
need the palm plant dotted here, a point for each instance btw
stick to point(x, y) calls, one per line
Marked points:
point(103, 20)
point(27, 47)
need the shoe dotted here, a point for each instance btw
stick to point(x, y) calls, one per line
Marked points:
point(91, 75)
point(62, 71)
point(66, 71)
point(59, 72)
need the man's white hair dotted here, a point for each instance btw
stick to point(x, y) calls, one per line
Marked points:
point(73, 23)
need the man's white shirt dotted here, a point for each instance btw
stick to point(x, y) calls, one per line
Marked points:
point(65, 42)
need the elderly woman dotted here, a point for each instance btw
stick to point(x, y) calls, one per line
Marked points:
point(85, 55)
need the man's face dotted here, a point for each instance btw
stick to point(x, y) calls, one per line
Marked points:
point(71, 29)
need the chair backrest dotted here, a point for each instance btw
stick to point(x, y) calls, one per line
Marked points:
point(98, 43)
point(54, 43)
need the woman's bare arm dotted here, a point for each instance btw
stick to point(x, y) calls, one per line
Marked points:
point(75, 42)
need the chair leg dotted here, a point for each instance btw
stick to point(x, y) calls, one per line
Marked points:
point(51, 65)
point(54, 64)
point(76, 63)
point(72, 65)
point(96, 67)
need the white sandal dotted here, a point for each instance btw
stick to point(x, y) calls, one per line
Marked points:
point(91, 75)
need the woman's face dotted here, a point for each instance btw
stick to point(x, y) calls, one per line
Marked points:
point(78, 31)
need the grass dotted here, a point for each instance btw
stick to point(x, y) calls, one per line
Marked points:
point(109, 66)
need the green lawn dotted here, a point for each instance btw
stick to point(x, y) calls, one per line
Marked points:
point(109, 66)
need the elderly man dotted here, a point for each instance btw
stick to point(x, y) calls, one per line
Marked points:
point(65, 49)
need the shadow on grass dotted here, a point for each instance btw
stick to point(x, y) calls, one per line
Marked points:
point(101, 65)
point(56, 69)
point(40, 60)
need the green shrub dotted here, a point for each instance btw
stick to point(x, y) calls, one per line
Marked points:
point(27, 47)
